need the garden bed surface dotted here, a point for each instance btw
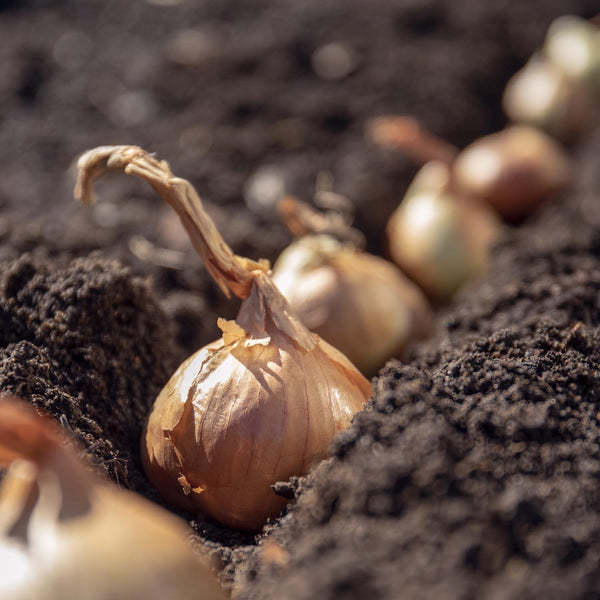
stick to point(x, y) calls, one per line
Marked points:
point(473, 471)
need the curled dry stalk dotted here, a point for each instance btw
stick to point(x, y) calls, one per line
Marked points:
point(257, 406)
point(409, 136)
point(231, 272)
point(301, 219)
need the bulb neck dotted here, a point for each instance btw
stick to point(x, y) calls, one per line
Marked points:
point(266, 311)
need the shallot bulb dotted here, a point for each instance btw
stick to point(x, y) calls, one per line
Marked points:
point(558, 88)
point(439, 238)
point(257, 406)
point(542, 95)
point(67, 535)
point(513, 170)
point(573, 45)
point(360, 303)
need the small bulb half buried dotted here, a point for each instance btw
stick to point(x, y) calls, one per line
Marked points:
point(513, 170)
point(439, 239)
point(360, 303)
point(573, 45)
point(542, 95)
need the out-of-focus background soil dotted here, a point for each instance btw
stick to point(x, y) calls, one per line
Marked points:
point(473, 474)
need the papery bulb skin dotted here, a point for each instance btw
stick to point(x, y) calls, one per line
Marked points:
point(513, 170)
point(256, 407)
point(360, 303)
point(117, 546)
point(159, 563)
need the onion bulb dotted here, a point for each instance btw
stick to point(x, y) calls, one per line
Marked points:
point(542, 95)
point(439, 238)
point(360, 303)
point(513, 170)
point(442, 232)
point(573, 45)
point(67, 535)
point(257, 406)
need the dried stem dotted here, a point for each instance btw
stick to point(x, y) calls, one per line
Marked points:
point(409, 136)
point(25, 436)
point(231, 272)
point(18, 496)
point(301, 219)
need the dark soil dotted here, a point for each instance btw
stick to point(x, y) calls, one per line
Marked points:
point(89, 344)
point(473, 473)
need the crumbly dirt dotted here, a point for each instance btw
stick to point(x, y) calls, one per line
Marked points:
point(88, 343)
point(473, 472)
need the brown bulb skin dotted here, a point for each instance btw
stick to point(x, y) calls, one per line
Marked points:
point(513, 170)
point(256, 407)
point(440, 241)
point(360, 303)
point(541, 95)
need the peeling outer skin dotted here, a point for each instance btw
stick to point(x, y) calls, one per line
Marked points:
point(265, 304)
point(255, 407)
